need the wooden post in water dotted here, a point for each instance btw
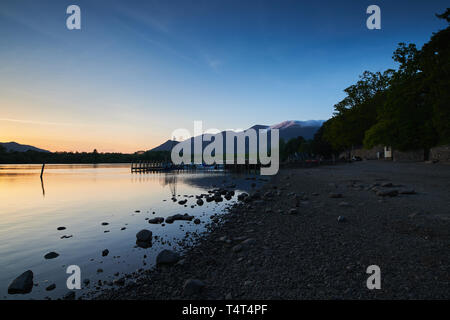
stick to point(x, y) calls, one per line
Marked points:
point(42, 170)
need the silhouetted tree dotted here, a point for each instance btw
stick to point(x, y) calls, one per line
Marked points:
point(416, 113)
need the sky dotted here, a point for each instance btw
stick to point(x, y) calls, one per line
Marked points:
point(138, 70)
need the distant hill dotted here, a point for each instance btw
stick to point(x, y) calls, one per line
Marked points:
point(294, 129)
point(166, 146)
point(14, 146)
point(287, 129)
point(295, 123)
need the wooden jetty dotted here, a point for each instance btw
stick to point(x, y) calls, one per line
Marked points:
point(145, 166)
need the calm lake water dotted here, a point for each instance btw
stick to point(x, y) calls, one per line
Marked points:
point(81, 198)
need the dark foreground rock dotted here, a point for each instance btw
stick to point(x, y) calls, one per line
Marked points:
point(167, 257)
point(22, 284)
point(51, 287)
point(144, 235)
point(51, 255)
point(193, 286)
point(69, 295)
point(156, 220)
point(144, 238)
point(183, 217)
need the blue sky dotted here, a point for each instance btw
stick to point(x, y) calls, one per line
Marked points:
point(137, 70)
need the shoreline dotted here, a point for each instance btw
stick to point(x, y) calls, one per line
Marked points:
point(289, 243)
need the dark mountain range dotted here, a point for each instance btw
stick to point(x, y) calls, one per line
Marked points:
point(166, 146)
point(287, 130)
point(14, 146)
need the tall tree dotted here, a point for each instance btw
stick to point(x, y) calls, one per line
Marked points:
point(416, 113)
point(357, 112)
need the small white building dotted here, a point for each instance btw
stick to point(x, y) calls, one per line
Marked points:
point(387, 152)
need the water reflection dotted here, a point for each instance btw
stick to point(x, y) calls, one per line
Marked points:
point(42, 186)
point(171, 180)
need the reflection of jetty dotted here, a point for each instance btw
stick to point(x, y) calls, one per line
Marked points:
point(149, 166)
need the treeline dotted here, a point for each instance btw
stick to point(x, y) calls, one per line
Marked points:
point(407, 108)
point(79, 157)
point(295, 146)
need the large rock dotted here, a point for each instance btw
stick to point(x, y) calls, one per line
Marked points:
point(167, 257)
point(119, 282)
point(69, 295)
point(256, 195)
point(144, 235)
point(407, 191)
point(156, 220)
point(193, 286)
point(268, 195)
point(391, 193)
point(242, 196)
point(51, 287)
point(237, 248)
point(22, 284)
point(175, 217)
point(335, 195)
point(51, 255)
point(248, 242)
point(344, 204)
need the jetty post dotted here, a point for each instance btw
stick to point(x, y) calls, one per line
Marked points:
point(42, 170)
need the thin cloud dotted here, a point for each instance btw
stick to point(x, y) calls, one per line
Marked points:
point(61, 124)
point(38, 122)
point(156, 43)
point(213, 63)
point(145, 19)
point(31, 24)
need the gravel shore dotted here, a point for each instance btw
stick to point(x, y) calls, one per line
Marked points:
point(311, 234)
